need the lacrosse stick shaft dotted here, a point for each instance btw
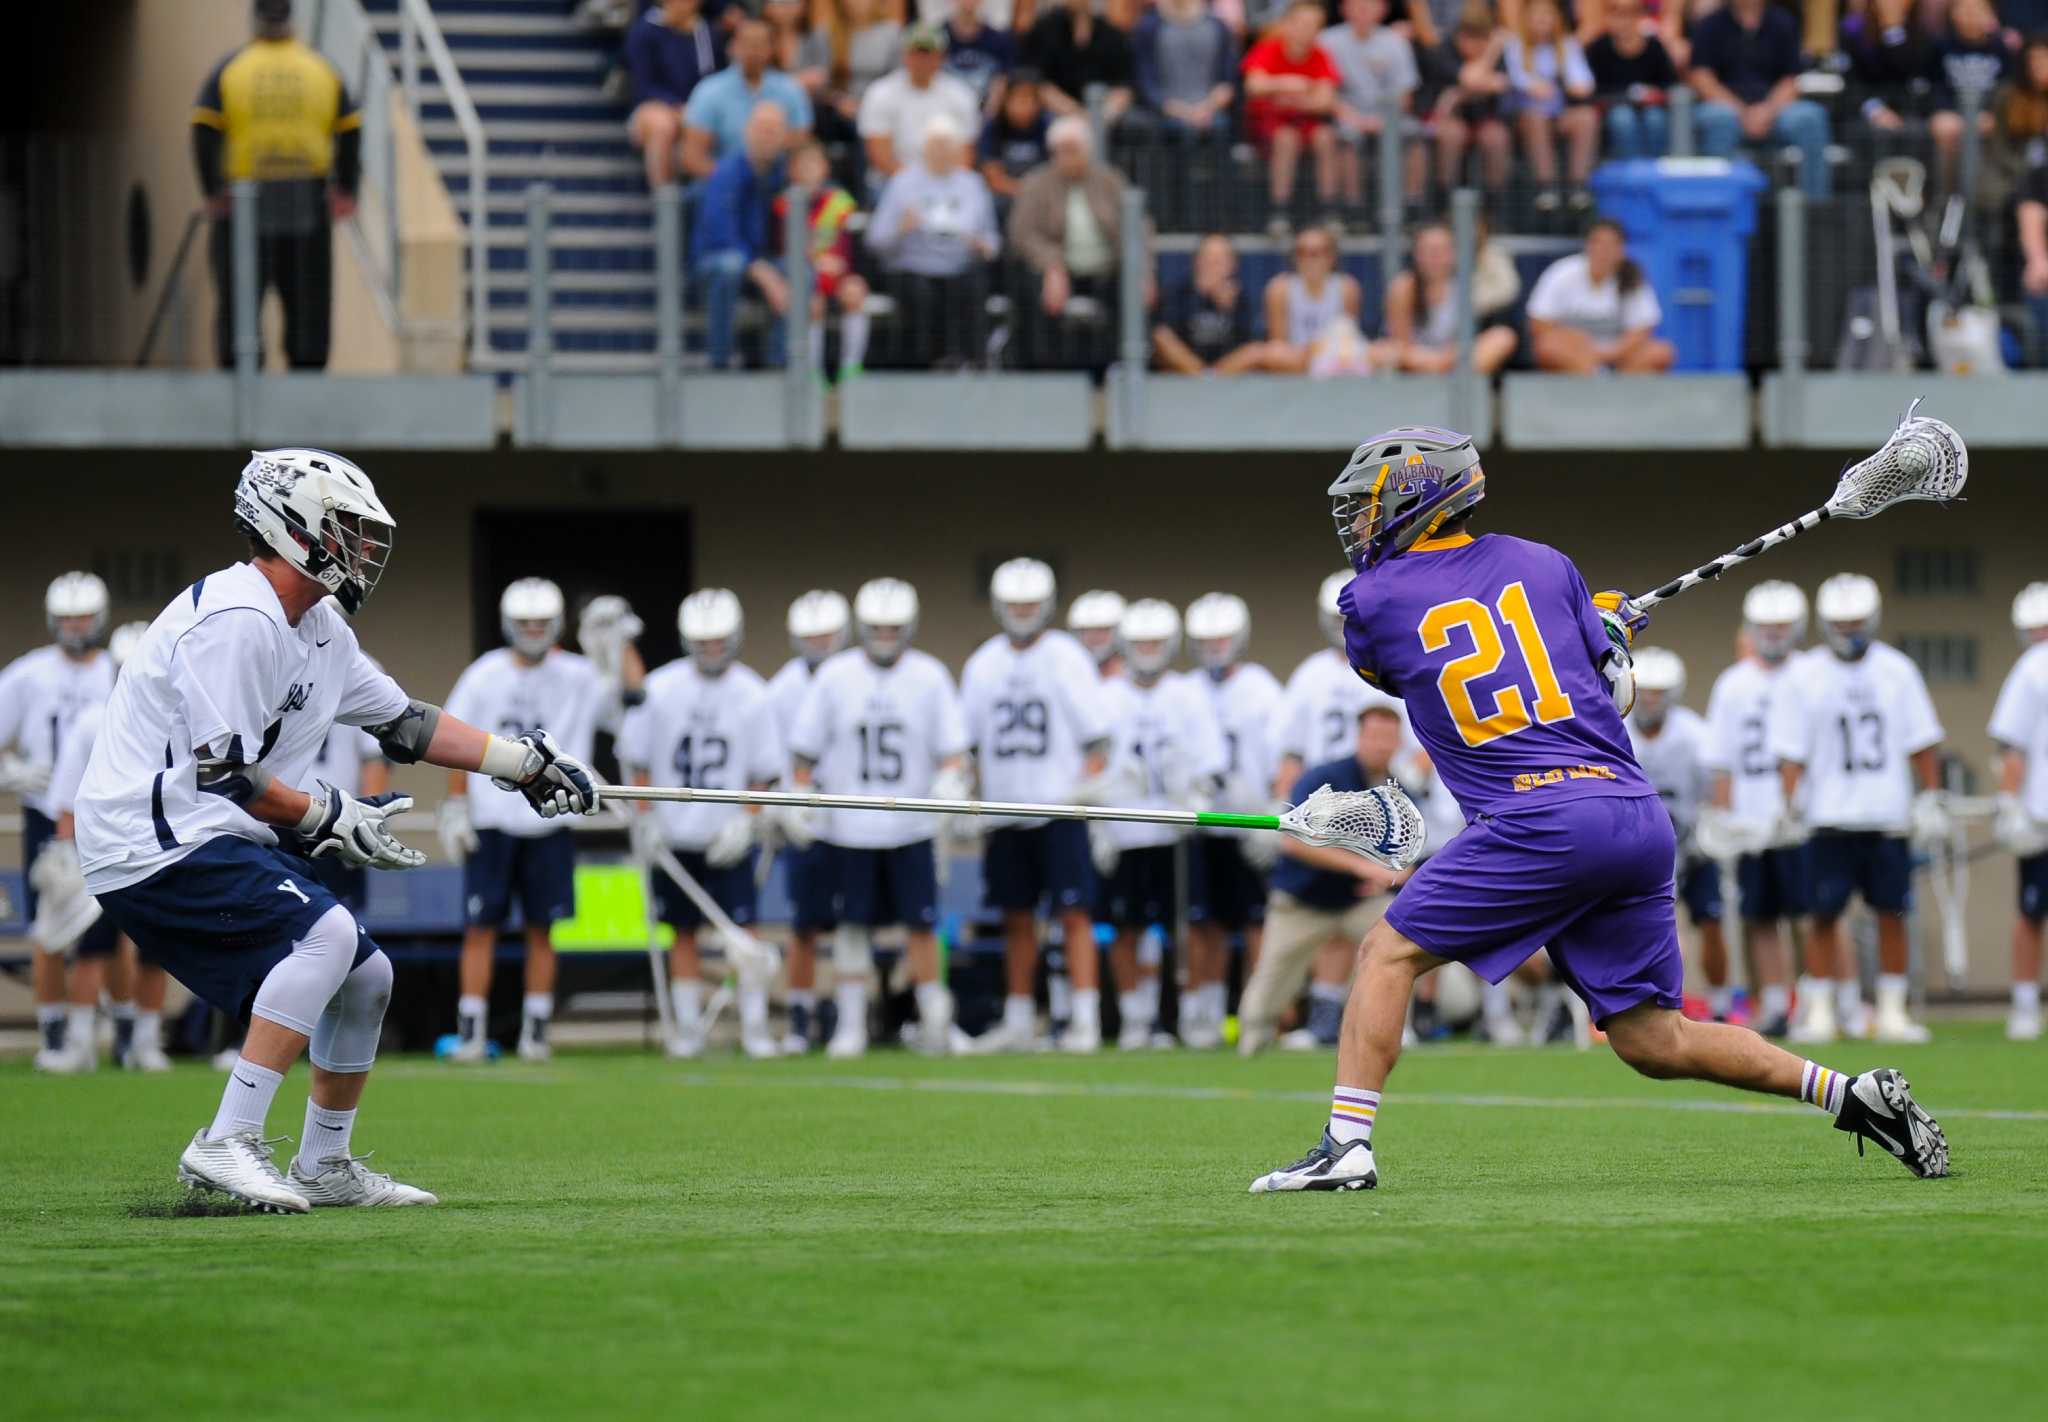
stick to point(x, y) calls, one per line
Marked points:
point(742, 948)
point(1707, 572)
point(1204, 819)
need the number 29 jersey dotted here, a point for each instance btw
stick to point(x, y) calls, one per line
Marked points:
point(1031, 712)
point(875, 730)
point(1494, 645)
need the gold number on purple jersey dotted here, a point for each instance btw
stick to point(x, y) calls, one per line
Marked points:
point(1512, 708)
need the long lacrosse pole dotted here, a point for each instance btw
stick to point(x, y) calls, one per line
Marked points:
point(1204, 819)
point(1707, 572)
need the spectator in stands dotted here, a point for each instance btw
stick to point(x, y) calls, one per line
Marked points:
point(1205, 322)
point(1310, 305)
point(851, 45)
point(1632, 74)
point(715, 119)
point(1970, 61)
point(2032, 216)
point(1290, 90)
point(668, 50)
point(835, 282)
point(1553, 92)
point(1066, 226)
point(1888, 59)
point(2022, 133)
point(1185, 64)
point(1014, 141)
point(1463, 93)
point(935, 231)
point(1422, 312)
point(1595, 311)
point(900, 107)
point(1746, 64)
point(730, 243)
point(1377, 66)
point(1072, 48)
point(979, 54)
point(789, 23)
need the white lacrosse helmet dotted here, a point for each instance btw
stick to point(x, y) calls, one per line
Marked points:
point(885, 615)
point(1774, 615)
point(817, 625)
point(124, 643)
point(712, 628)
point(74, 595)
point(1848, 606)
point(530, 616)
point(1150, 633)
point(1660, 682)
point(1327, 611)
point(1093, 618)
point(1023, 583)
point(321, 514)
point(2030, 611)
point(1219, 625)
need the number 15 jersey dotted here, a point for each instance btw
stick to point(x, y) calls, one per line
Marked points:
point(1494, 645)
point(874, 730)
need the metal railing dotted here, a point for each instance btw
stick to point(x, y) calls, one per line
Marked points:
point(418, 30)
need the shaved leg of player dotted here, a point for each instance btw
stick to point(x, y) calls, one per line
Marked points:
point(1714, 964)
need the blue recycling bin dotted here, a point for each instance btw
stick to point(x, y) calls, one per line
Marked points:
point(1689, 222)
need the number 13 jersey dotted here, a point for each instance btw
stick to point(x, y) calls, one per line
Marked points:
point(1494, 645)
point(874, 730)
point(1854, 726)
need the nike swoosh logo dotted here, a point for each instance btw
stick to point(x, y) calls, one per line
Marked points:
point(250, 1084)
point(322, 644)
point(1889, 1144)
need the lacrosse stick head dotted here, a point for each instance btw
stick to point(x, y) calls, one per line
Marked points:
point(1924, 459)
point(1381, 823)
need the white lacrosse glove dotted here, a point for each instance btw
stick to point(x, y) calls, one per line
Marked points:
point(553, 781)
point(953, 783)
point(1261, 850)
point(603, 631)
point(731, 842)
point(452, 825)
point(354, 831)
point(1789, 830)
point(1717, 837)
point(802, 825)
point(64, 910)
point(21, 776)
point(1106, 788)
point(1102, 848)
point(643, 833)
point(1931, 821)
point(2016, 831)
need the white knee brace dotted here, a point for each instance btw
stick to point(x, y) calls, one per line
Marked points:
point(346, 1038)
point(851, 956)
point(296, 992)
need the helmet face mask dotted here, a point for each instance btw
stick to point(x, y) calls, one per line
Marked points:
point(1849, 607)
point(1660, 682)
point(2030, 614)
point(1402, 487)
point(712, 629)
point(1150, 635)
point(530, 615)
point(818, 624)
point(885, 616)
point(319, 513)
point(75, 610)
point(1218, 627)
point(1093, 619)
point(1774, 617)
point(1021, 593)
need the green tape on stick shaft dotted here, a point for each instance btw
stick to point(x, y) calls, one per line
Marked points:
point(1209, 820)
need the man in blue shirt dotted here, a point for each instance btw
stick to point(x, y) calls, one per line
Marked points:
point(980, 54)
point(669, 49)
point(1745, 67)
point(1318, 893)
point(718, 107)
point(730, 241)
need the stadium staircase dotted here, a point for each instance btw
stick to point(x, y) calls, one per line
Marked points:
point(537, 79)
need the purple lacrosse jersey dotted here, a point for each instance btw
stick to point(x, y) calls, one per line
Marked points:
point(1494, 645)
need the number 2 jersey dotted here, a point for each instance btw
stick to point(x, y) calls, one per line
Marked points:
point(1167, 744)
point(1739, 742)
point(561, 694)
point(705, 732)
point(1031, 714)
point(1493, 644)
point(1855, 727)
point(875, 730)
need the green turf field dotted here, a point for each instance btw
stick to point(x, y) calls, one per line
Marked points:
point(1040, 1237)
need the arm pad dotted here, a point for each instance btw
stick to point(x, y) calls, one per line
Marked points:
point(233, 780)
point(404, 739)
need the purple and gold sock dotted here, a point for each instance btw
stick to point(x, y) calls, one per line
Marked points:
point(1351, 1114)
point(1823, 1087)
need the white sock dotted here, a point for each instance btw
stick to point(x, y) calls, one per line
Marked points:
point(2026, 998)
point(245, 1104)
point(687, 997)
point(801, 998)
point(1814, 991)
point(1215, 1002)
point(469, 1016)
point(1088, 1009)
point(149, 1027)
point(1148, 993)
point(1892, 989)
point(853, 339)
point(1020, 1014)
point(753, 1009)
point(932, 1006)
point(1720, 999)
point(1848, 998)
point(325, 1136)
point(1777, 999)
point(852, 1000)
point(1131, 1007)
point(78, 1024)
point(1819, 1086)
point(1351, 1114)
point(50, 1024)
point(538, 1006)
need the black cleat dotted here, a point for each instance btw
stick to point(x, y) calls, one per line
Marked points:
point(1879, 1106)
point(1328, 1167)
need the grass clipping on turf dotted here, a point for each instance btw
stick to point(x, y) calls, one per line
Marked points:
point(189, 1205)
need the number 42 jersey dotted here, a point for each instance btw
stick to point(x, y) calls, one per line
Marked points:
point(1494, 645)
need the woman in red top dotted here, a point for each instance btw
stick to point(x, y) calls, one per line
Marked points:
point(1290, 88)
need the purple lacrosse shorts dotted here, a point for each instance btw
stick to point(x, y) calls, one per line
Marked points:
point(1589, 879)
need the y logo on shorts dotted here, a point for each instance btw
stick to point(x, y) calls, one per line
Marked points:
point(288, 887)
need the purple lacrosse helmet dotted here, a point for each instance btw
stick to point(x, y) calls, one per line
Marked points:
point(1401, 487)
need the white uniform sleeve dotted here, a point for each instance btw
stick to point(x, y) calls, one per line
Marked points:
point(463, 699)
point(222, 672)
point(1207, 754)
point(370, 697)
point(13, 697)
point(1789, 735)
point(769, 761)
point(71, 762)
point(1922, 725)
point(949, 725)
point(811, 732)
point(634, 733)
point(974, 704)
point(1714, 737)
point(588, 707)
point(2019, 708)
point(1087, 707)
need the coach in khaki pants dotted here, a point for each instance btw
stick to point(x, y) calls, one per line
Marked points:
point(1318, 892)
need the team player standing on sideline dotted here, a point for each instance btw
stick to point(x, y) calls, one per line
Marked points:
point(1243, 697)
point(1516, 681)
point(509, 851)
point(191, 793)
point(1670, 743)
point(1094, 618)
point(1854, 728)
point(705, 723)
point(2019, 723)
point(1039, 727)
point(882, 719)
point(818, 625)
point(1744, 817)
point(42, 695)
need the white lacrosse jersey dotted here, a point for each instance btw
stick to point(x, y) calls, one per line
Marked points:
point(72, 760)
point(1031, 712)
point(1855, 726)
point(561, 694)
point(219, 671)
point(2020, 721)
point(1244, 704)
point(705, 732)
point(874, 730)
point(1675, 761)
point(1317, 720)
point(1166, 736)
point(42, 694)
point(1739, 741)
point(343, 755)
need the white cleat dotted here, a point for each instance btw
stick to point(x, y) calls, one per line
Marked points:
point(1897, 1027)
point(473, 1051)
point(685, 1046)
point(1327, 1167)
point(532, 1049)
point(239, 1166)
point(1081, 1041)
point(226, 1057)
point(1815, 1024)
point(1302, 1040)
point(72, 1059)
point(796, 1044)
point(1505, 1032)
point(344, 1183)
point(1006, 1037)
point(2023, 1026)
point(1859, 1023)
point(846, 1045)
point(1134, 1036)
point(760, 1044)
point(146, 1056)
point(1201, 1036)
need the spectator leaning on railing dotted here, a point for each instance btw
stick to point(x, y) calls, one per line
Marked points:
point(1553, 91)
point(719, 107)
point(1746, 63)
point(1632, 75)
point(1066, 225)
point(1312, 313)
point(669, 50)
point(1377, 64)
point(1185, 63)
point(1595, 311)
point(935, 231)
point(1205, 323)
point(1290, 90)
point(979, 54)
point(1014, 143)
point(1073, 48)
point(899, 107)
point(730, 242)
point(1422, 312)
point(831, 249)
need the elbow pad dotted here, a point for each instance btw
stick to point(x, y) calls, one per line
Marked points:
point(404, 739)
point(1620, 670)
point(232, 780)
